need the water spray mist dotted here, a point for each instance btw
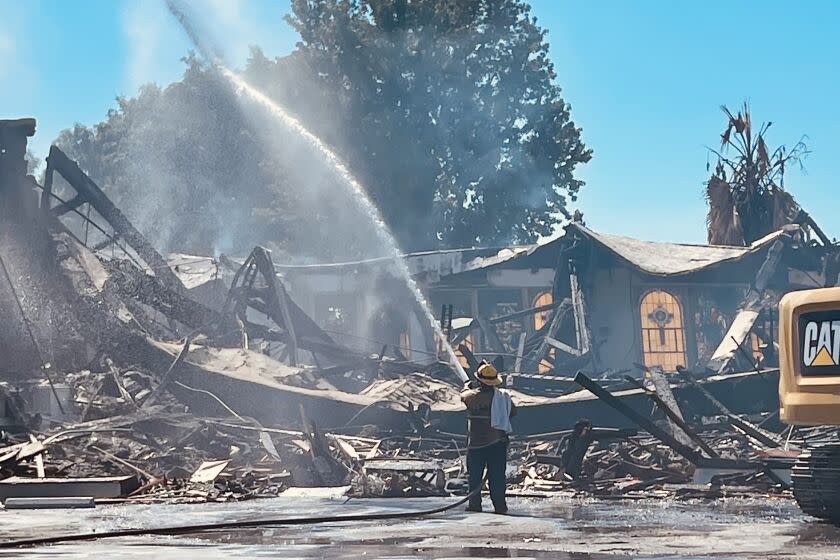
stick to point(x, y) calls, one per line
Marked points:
point(346, 177)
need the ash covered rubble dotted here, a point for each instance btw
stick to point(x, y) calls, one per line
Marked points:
point(201, 379)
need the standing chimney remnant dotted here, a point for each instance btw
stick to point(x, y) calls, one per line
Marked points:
point(13, 135)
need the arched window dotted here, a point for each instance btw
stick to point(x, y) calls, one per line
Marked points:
point(663, 332)
point(755, 345)
point(405, 344)
point(468, 342)
point(540, 319)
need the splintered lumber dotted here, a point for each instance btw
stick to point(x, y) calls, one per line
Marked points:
point(209, 471)
point(562, 346)
point(97, 487)
point(30, 450)
point(39, 458)
point(132, 283)
point(579, 306)
point(414, 468)
point(738, 331)
point(644, 423)
point(751, 430)
point(491, 337)
point(675, 418)
point(520, 351)
point(549, 331)
point(185, 349)
point(749, 310)
point(528, 312)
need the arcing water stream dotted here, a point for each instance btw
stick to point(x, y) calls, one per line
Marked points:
point(346, 177)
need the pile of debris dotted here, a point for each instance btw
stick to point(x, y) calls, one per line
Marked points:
point(127, 425)
point(151, 395)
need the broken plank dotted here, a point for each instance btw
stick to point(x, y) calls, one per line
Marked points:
point(562, 346)
point(675, 418)
point(209, 471)
point(30, 450)
point(49, 503)
point(185, 349)
point(750, 429)
point(531, 311)
point(491, 337)
point(638, 419)
point(96, 487)
point(39, 458)
point(735, 336)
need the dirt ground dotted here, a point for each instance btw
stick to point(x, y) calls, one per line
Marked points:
point(538, 528)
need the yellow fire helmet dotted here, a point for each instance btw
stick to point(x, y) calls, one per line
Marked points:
point(488, 375)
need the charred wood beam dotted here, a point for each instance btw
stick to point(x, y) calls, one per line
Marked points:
point(131, 282)
point(673, 417)
point(106, 243)
point(167, 377)
point(531, 311)
point(520, 352)
point(292, 343)
point(562, 346)
point(579, 306)
point(491, 337)
point(85, 187)
point(805, 219)
point(68, 206)
point(751, 430)
point(259, 263)
point(463, 332)
point(541, 351)
point(460, 336)
point(748, 311)
point(644, 423)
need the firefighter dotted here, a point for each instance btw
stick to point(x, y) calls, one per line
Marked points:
point(489, 410)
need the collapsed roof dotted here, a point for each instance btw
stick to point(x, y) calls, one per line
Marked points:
point(667, 259)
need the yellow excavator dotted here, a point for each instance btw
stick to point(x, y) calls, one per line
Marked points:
point(809, 392)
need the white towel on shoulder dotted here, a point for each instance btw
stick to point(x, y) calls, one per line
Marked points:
point(500, 407)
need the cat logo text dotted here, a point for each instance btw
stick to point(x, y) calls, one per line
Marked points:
point(821, 344)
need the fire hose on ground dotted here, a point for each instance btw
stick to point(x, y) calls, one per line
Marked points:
point(272, 522)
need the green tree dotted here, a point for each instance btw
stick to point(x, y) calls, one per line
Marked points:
point(447, 111)
point(451, 115)
point(184, 164)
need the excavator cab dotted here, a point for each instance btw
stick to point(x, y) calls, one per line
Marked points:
point(809, 392)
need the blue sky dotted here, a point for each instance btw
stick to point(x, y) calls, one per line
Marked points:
point(645, 80)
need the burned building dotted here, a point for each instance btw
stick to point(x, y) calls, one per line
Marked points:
point(234, 363)
point(581, 300)
point(664, 305)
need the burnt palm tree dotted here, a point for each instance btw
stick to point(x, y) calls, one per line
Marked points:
point(745, 192)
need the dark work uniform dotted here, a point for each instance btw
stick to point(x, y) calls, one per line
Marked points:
point(486, 448)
